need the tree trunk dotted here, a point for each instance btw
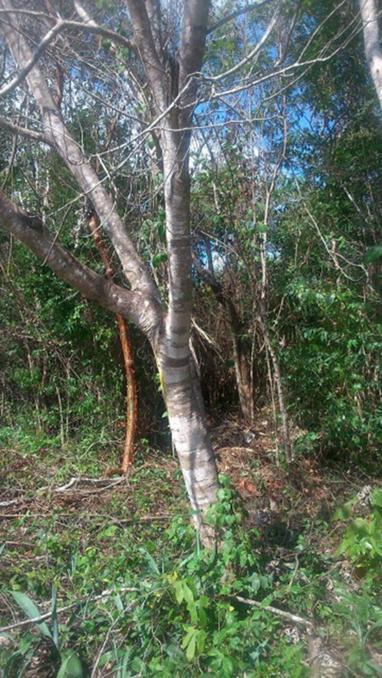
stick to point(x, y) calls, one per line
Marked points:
point(244, 381)
point(131, 394)
point(127, 351)
point(373, 51)
point(287, 443)
point(242, 361)
point(180, 382)
point(182, 395)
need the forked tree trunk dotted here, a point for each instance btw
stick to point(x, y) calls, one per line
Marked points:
point(169, 333)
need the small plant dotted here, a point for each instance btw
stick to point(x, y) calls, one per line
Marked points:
point(362, 541)
point(54, 653)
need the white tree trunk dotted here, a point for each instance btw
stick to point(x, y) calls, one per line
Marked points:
point(373, 50)
point(187, 422)
point(178, 374)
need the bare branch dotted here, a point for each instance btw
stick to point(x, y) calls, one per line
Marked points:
point(253, 52)
point(24, 131)
point(47, 615)
point(90, 27)
point(288, 616)
point(56, 131)
point(146, 47)
point(48, 38)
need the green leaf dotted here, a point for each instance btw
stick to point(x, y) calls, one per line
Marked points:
point(189, 642)
point(31, 610)
point(376, 499)
point(178, 591)
point(344, 512)
point(190, 652)
point(261, 227)
point(373, 254)
point(158, 259)
point(55, 627)
point(150, 561)
point(71, 667)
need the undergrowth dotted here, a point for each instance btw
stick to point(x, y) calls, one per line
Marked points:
point(141, 597)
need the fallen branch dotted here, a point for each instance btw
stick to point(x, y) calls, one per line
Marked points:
point(108, 519)
point(46, 615)
point(103, 483)
point(9, 503)
point(294, 618)
point(133, 519)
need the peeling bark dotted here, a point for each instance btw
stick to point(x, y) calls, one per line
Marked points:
point(128, 355)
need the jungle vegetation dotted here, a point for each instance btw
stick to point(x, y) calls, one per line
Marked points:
point(191, 332)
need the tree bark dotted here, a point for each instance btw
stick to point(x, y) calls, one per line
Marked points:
point(127, 352)
point(179, 380)
point(244, 381)
point(373, 51)
point(182, 395)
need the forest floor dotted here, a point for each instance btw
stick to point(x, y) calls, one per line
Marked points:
point(68, 530)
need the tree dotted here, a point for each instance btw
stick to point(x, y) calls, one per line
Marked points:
point(152, 57)
point(168, 330)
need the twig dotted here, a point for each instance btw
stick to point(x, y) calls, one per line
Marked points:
point(235, 448)
point(102, 648)
point(295, 619)
point(46, 615)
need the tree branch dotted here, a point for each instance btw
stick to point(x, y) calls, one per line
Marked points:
point(288, 616)
point(81, 169)
point(65, 608)
point(30, 230)
point(50, 36)
point(253, 52)
point(234, 15)
point(146, 47)
point(29, 133)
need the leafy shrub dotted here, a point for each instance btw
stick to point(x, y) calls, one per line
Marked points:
point(362, 541)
